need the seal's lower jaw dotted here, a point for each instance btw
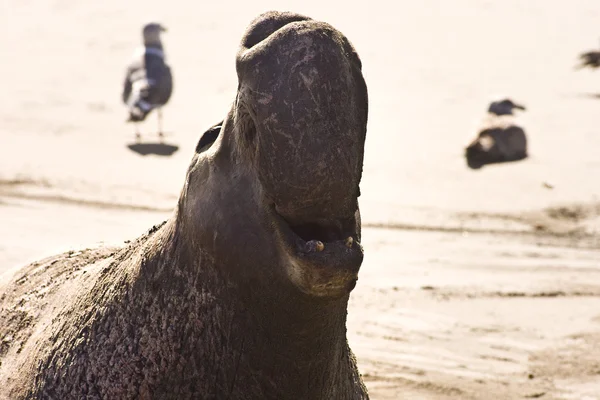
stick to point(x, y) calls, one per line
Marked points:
point(324, 257)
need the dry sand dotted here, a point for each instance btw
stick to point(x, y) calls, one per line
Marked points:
point(476, 284)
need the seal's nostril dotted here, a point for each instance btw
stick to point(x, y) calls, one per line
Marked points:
point(208, 137)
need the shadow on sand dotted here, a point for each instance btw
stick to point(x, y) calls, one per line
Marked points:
point(159, 149)
point(475, 164)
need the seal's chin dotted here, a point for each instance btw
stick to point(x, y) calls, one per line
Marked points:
point(323, 256)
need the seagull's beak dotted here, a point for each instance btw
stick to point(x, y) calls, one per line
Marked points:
point(163, 28)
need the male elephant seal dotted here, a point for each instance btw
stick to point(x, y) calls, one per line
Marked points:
point(243, 293)
point(497, 144)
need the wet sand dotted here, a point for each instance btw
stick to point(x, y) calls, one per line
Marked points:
point(476, 284)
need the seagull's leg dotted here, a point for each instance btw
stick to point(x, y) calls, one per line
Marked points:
point(159, 115)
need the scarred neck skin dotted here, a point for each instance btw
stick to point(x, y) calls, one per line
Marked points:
point(267, 339)
point(178, 325)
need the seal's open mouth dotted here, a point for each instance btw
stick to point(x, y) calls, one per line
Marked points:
point(324, 255)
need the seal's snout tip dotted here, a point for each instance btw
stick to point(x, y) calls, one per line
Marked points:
point(266, 24)
point(304, 93)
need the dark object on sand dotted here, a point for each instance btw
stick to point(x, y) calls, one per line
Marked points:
point(148, 82)
point(547, 185)
point(589, 59)
point(496, 145)
point(243, 292)
point(504, 107)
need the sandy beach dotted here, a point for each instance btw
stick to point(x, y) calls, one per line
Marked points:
point(476, 284)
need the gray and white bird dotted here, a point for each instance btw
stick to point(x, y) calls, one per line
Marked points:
point(504, 107)
point(148, 82)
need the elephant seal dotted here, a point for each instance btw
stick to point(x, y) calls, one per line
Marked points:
point(497, 144)
point(243, 292)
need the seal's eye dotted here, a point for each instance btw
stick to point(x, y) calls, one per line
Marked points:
point(208, 138)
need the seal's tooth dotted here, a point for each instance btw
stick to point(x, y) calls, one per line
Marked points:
point(349, 241)
point(320, 246)
point(314, 245)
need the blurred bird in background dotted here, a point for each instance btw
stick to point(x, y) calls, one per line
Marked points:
point(504, 107)
point(589, 59)
point(148, 82)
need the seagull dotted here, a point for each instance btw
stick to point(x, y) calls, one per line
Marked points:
point(504, 107)
point(148, 82)
point(589, 59)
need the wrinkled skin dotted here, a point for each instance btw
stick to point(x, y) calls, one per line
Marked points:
point(243, 293)
point(496, 145)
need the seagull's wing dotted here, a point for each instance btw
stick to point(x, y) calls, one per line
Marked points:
point(160, 80)
point(133, 72)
